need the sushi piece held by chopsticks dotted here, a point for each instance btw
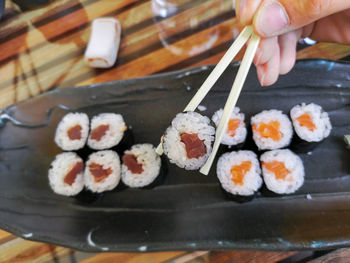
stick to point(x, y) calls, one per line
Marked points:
point(187, 142)
point(216, 73)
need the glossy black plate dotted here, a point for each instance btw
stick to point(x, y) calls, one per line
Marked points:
point(186, 210)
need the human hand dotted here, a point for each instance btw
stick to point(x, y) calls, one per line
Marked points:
point(281, 23)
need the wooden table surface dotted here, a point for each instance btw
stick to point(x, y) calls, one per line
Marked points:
point(42, 49)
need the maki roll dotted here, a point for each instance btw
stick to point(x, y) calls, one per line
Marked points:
point(188, 141)
point(72, 131)
point(271, 130)
point(239, 172)
point(236, 132)
point(102, 171)
point(141, 165)
point(66, 174)
point(283, 171)
point(107, 130)
point(310, 122)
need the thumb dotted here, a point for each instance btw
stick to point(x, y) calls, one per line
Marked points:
point(275, 17)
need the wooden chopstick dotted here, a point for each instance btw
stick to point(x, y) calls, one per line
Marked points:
point(216, 73)
point(220, 68)
point(232, 99)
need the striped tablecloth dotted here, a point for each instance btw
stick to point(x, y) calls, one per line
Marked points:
point(42, 49)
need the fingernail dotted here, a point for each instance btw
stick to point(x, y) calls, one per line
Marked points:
point(272, 20)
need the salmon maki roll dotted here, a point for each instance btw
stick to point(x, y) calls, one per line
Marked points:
point(271, 130)
point(239, 173)
point(236, 131)
point(283, 171)
point(311, 122)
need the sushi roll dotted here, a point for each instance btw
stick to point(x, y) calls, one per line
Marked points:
point(141, 165)
point(72, 131)
point(239, 172)
point(236, 132)
point(310, 122)
point(271, 130)
point(102, 171)
point(66, 174)
point(283, 171)
point(107, 130)
point(188, 141)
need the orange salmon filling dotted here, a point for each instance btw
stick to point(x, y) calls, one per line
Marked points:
point(239, 171)
point(269, 130)
point(233, 124)
point(306, 121)
point(277, 168)
point(98, 172)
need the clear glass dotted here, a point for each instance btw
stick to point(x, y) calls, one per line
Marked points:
point(177, 19)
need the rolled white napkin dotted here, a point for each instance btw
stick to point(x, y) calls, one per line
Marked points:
point(103, 45)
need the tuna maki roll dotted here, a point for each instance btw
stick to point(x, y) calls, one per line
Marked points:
point(72, 131)
point(66, 174)
point(107, 130)
point(102, 171)
point(141, 165)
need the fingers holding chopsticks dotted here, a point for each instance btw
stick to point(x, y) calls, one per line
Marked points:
point(281, 23)
point(276, 56)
